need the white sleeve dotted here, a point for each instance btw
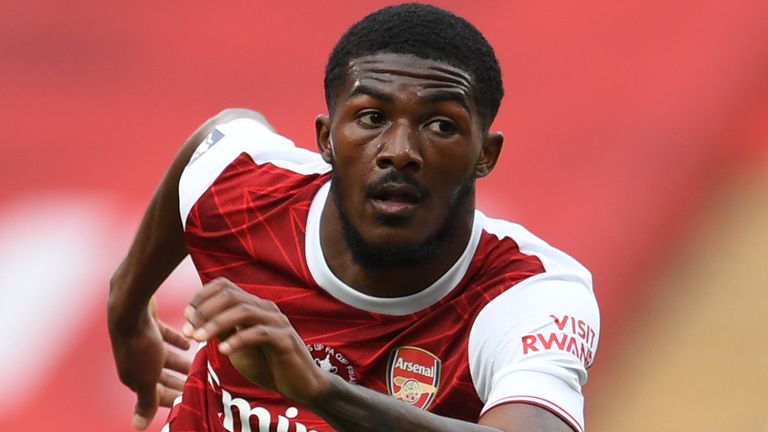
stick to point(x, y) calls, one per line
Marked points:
point(534, 343)
point(229, 140)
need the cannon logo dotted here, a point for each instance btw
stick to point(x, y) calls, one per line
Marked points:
point(413, 376)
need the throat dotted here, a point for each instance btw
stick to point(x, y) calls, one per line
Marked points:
point(385, 271)
point(389, 282)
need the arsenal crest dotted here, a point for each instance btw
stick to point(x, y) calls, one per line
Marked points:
point(413, 376)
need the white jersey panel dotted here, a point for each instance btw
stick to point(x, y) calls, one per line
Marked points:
point(534, 342)
point(397, 306)
point(554, 260)
point(229, 140)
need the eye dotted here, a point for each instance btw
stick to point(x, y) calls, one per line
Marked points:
point(442, 127)
point(371, 118)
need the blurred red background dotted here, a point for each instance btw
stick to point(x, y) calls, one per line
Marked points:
point(622, 120)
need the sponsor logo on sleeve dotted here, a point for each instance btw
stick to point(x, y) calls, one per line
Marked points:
point(413, 376)
point(571, 335)
point(209, 141)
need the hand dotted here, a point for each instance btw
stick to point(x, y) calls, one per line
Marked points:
point(144, 363)
point(259, 340)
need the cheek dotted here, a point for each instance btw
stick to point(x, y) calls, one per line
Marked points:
point(352, 168)
point(354, 157)
point(351, 175)
point(453, 169)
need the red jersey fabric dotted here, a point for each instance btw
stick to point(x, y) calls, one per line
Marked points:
point(514, 320)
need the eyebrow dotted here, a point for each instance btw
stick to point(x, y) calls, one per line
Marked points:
point(448, 96)
point(362, 89)
point(432, 97)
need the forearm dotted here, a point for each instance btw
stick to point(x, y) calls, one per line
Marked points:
point(264, 348)
point(158, 247)
point(348, 407)
point(155, 252)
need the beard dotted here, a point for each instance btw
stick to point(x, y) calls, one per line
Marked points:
point(385, 256)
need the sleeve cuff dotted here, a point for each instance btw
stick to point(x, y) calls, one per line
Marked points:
point(542, 390)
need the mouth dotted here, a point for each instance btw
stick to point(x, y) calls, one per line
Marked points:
point(396, 200)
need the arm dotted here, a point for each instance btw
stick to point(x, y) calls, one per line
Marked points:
point(348, 407)
point(137, 336)
point(265, 348)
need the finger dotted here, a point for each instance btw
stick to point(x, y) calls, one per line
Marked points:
point(152, 307)
point(173, 337)
point(253, 336)
point(146, 406)
point(177, 362)
point(211, 298)
point(238, 316)
point(212, 305)
point(209, 289)
point(171, 382)
point(221, 304)
point(167, 396)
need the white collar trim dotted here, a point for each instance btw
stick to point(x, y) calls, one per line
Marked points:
point(324, 277)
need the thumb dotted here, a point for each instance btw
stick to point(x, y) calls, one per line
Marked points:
point(146, 407)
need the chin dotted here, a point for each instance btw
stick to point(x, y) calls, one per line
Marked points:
point(392, 248)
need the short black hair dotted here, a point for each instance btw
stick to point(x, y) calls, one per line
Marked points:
point(427, 32)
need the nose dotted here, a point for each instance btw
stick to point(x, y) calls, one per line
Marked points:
point(399, 148)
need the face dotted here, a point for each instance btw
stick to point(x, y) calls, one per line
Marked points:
point(406, 145)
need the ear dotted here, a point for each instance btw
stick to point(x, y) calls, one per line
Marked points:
point(489, 154)
point(323, 132)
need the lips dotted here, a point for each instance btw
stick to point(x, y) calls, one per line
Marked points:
point(396, 199)
point(397, 192)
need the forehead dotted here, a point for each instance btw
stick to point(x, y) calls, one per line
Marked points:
point(407, 70)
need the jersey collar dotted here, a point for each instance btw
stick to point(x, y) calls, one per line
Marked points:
point(334, 286)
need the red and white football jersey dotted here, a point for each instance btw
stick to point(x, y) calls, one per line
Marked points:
point(514, 320)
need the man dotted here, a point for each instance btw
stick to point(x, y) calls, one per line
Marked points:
point(358, 289)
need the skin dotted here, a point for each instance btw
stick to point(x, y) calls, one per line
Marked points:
point(395, 113)
point(414, 116)
point(143, 347)
point(263, 346)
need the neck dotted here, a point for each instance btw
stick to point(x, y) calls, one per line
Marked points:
point(389, 281)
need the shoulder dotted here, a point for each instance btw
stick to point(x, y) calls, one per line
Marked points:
point(230, 114)
point(233, 133)
point(560, 287)
point(560, 282)
point(534, 342)
point(553, 260)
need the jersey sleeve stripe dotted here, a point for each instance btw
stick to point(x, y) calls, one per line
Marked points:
point(542, 403)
